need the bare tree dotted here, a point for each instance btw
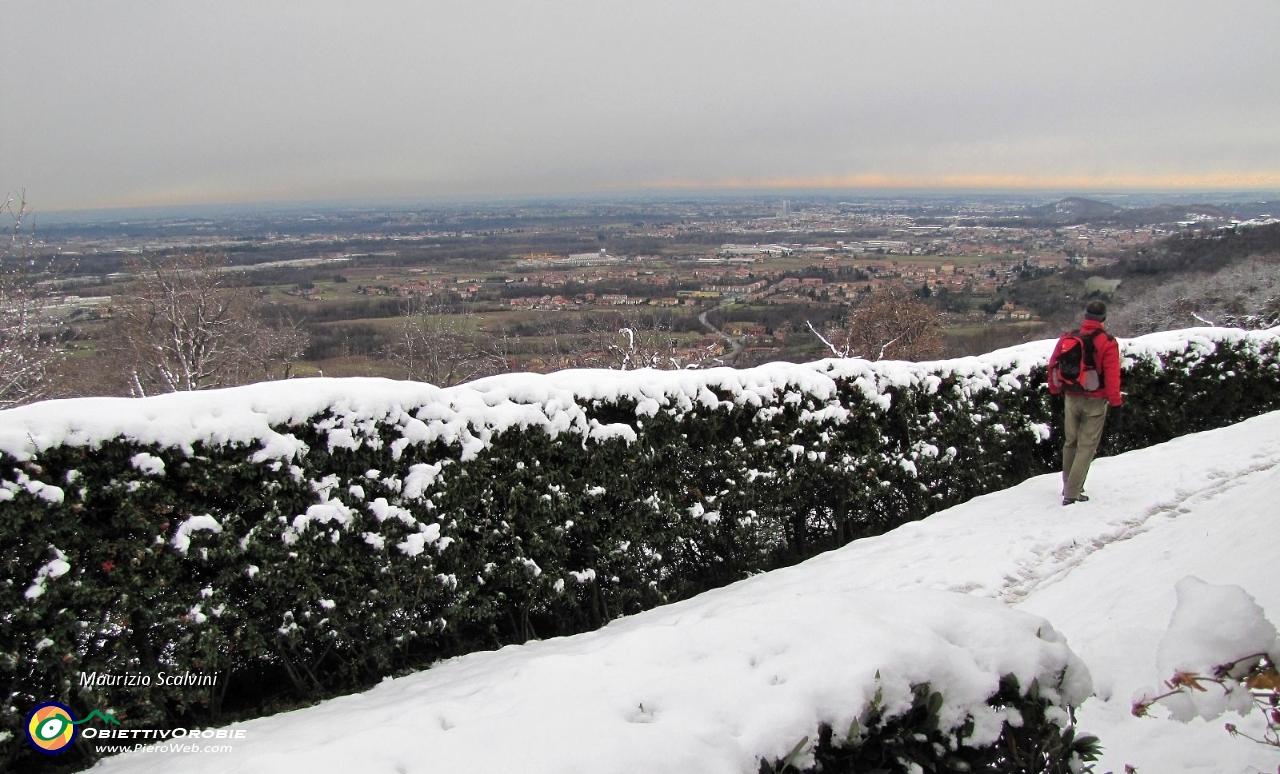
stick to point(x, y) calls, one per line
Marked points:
point(636, 340)
point(440, 348)
point(29, 350)
point(889, 325)
point(278, 346)
point(189, 325)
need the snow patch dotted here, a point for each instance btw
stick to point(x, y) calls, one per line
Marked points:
point(182, 535)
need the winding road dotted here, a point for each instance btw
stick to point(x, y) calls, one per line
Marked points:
point(735, 344)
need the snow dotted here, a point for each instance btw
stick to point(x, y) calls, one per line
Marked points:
point(1011, 582)
point(50, 494)
point(1240, 632)
point(55, 568)
point(416, 543)
point(148, 464)
point(182, 535)
point(1241, 629)
point(469, 415)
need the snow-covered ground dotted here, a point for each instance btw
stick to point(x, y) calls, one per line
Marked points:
point(710, 684)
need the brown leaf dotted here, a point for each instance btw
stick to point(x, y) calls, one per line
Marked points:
point(1268, 680)
point(1187, 679)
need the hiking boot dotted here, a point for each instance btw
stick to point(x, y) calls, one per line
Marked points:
point(1070, 500)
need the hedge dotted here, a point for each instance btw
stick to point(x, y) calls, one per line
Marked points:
point(1043, 740)
point(307, 538)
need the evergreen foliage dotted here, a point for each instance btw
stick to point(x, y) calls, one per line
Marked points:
point(1038, 737)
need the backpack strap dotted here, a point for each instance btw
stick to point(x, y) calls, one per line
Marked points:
point(1091, 352)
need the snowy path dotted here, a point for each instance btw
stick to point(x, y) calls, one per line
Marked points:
point(1067, 558)
point(1007, 545)
point(707, 684)
point(1115, 605)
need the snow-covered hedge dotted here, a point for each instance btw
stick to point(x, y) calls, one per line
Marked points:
point(305, 537)
point(1026, 731)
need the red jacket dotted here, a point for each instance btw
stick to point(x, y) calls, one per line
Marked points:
point(1106, 353)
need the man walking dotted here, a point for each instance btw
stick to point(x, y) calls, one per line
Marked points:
point(1085, 367)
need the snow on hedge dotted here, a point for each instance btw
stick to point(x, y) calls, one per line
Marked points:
point(470, 414)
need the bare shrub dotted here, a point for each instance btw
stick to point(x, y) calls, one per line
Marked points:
point(889, 325)
point(188, 324)
point(29, 349)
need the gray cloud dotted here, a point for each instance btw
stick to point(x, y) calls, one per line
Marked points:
point(150, 102)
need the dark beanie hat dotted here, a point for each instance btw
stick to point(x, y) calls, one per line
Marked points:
point(1095, 310)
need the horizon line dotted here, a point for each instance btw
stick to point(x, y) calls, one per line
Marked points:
point(991, 186)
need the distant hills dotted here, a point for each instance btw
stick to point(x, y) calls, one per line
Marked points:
point(1200, 252)
point(1076, 210)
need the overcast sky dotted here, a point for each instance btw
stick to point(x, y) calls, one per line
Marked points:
point(126, 102)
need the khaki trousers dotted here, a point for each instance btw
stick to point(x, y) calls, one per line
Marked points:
point(1083, 421)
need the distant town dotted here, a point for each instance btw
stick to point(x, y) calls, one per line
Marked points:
point(541, 286)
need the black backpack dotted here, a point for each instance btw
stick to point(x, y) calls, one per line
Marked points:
point(1076, 369)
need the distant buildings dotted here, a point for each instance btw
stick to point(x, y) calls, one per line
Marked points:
point(748, 250)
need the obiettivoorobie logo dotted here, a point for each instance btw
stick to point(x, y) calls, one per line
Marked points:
point(51, 727)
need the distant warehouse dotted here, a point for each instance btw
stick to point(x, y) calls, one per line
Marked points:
point(770, 250)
